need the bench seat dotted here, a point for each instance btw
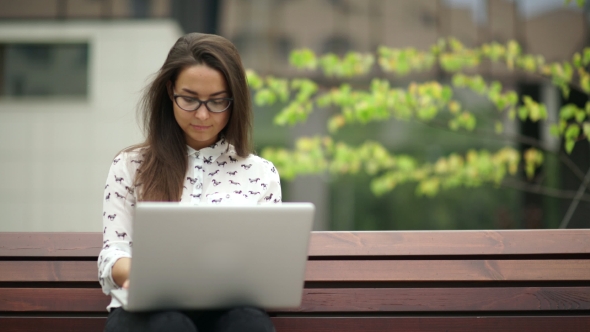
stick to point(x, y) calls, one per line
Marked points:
point(514, 280)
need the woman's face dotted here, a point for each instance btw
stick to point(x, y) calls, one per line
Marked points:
point(201, 127)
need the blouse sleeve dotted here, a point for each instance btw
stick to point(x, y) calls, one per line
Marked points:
point(272, 194)
point(118, 210)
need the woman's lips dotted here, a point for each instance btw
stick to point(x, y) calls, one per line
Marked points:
point(198, 127)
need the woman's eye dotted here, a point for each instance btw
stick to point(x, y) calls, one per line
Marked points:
point(217, 101)
point(188, 99)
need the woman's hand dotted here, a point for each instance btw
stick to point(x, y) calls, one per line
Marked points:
point(120, 271)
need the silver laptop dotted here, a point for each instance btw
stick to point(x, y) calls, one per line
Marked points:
point(206, 257)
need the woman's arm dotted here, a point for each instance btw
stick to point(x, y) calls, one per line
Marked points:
point(120, 270)
point(272, 194)
point(118, 211)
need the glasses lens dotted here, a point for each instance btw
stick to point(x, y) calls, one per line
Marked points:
point(218, 105)
point(187, 103)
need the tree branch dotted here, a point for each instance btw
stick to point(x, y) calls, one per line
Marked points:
point(574, 203)
point(537, 189)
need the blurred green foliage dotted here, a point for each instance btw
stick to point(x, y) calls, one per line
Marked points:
point(357, 148)
point(424, 102)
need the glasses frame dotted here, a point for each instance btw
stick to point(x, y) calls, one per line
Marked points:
point(201, 102)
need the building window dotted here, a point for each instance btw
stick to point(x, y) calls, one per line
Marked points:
point(43, 70)
point(338, 45)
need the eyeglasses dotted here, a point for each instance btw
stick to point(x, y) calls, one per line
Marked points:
point(191, 104)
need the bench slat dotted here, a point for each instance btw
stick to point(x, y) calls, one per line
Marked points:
point(385, 243)
point(23, 244)
point(48, 271)
point(338, 300)
point(352, 324)
point(441, 243)
point(448, 270)
point(432, 324)
point(52, 324)
point(444, 299)
point(53, 299)
point(347, 270)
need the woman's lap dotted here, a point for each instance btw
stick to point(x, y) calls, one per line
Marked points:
point(246, 319)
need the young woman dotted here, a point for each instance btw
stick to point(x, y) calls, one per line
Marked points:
point(197, 115)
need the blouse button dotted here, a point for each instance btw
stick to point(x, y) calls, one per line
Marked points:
point(227, 196)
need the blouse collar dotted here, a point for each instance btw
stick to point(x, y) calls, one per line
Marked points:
point(211, 152)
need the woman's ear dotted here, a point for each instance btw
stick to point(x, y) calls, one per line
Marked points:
point(169, 89)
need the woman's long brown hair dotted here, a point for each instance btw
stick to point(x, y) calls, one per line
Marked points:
point(164, 151)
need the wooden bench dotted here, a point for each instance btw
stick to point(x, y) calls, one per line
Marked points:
point(530, 280)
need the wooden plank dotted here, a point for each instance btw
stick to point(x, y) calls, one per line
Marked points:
point(47, 271)
point(382, 243)
point(447, 270)
point(52, 324)
point(444, 299)
point(13, 244)
point(437, 243)
point(434, 324)
point(53, 300)
point(328, 324)
point(347, 270)
point(346, 300)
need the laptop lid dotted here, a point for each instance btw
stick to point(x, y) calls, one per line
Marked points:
point(206, 257)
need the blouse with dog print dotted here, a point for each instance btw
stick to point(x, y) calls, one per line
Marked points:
point(215, 175)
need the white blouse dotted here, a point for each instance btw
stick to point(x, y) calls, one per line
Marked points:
point(215, 175)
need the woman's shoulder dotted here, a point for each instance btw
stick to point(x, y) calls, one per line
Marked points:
point(252, 160)
point(130, 157)
point(249, 165)
point(254, 164)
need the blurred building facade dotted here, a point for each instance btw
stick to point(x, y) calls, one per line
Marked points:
point(56, 149)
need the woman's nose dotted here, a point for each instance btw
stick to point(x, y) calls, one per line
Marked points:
point(202, 112)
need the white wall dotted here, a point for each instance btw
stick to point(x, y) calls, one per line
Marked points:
point(55, 153)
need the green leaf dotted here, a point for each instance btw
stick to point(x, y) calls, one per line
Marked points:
point(577, 60)
point(499, 127)
point(303, 59)
point(454, 125)
point(459, 80)
point(427, 113)
point(265, 97)
point(584, 80)
point(335, 123)
point(254, 81)
point(569, 145)
point(429, 187)
point(279, 86)
point(586, 129)
point(580, 116)
point(306, 89)
point(586, 57)
point(568, 111)
point(533, 159)
point(572, 132)
point(565, 90)
point(324, 100)
point(469, 121)
point(447, 93)
point(454, 106)
point(512, 113)
point(523, 113)
point(554, 130)
point(495, 87)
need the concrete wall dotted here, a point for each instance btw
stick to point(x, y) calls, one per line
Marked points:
point(55, 153)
